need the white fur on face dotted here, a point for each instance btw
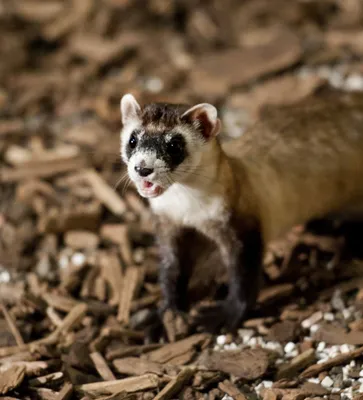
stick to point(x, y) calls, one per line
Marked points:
point(150, 160)
point(162, 176)
point(126, 134)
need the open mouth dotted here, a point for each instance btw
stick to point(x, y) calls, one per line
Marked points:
point(149, 189)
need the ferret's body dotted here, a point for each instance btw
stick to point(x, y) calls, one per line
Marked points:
point(304, 163)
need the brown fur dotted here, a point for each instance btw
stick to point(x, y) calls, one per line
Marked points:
point(162, 117)
point(305, 164)
point(301, 163)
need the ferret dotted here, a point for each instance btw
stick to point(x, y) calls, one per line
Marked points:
point(303, 164)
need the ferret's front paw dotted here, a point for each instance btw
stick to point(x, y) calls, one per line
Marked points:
point(226, 314)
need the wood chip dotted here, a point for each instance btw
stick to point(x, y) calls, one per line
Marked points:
point(11, 127)
point(22, 157)
point(129, 385)
point(71, 319)
point(112, 272)
point(175, 385)
point(175, 325)
point(41, 170)
point(285, 331)
point(126, 351)
point(102, 368)
point(230, 389)
point(37, 11)
point(66, 392)
point(118, 233)
point(11, 379)
point(298, 363)
point(174, 353)
point(43, 380)
point(80, 240)
point(276, 292)
point(337, 335)
point(12, 325)
point(247, 364)
point(282, 51)
point(338, 360)
point(137, 366)
point(104, 193)
point(130, 284)
point(59, 302)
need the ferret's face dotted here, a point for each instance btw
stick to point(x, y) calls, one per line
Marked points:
point(161, 144)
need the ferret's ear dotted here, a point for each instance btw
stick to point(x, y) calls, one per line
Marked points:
point(204, 117)
point(130, 109)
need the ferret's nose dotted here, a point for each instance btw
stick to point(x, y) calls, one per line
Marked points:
point(143, 171)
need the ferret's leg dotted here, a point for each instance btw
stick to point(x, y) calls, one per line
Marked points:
point(173, 283)
point(250, 267)
point(169, 272)
point(173, 278)
point(242, 256)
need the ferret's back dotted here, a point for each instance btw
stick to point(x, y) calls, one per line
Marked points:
point(304, 161)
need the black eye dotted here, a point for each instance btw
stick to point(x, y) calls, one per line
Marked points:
point(175, 146)
point(133, 141)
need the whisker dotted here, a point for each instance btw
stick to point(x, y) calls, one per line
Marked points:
point(126, 185)
point(123, 177)
point(198, 175)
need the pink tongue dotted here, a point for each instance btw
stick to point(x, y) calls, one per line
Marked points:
point(147, 184)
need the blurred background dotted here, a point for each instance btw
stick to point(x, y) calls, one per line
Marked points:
point(71, 228)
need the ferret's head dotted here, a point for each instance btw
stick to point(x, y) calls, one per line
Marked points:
point(163, 143)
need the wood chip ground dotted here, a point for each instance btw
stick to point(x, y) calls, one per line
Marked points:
point(78, 260)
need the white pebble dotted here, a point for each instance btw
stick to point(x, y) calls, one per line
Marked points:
point(314, 328)
point(226, 397)
point(267, 384)
point(63, 262)
point(314, 380)
point(321, 346)
point(154, 85)
point(313, 319)
point(231, 346)
point(78, 259)
point(274, 346)
point(346, 313)
point(246, 334)
point(344, 348)
point(221, 340)
point(354, 82)
point(361, 373)
point(4, 276)
point(289, 347)
point(352, 363)
point(336, 79)
point(259, 387)
point(329, 316)
point(327, 382)
point(361, 388)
